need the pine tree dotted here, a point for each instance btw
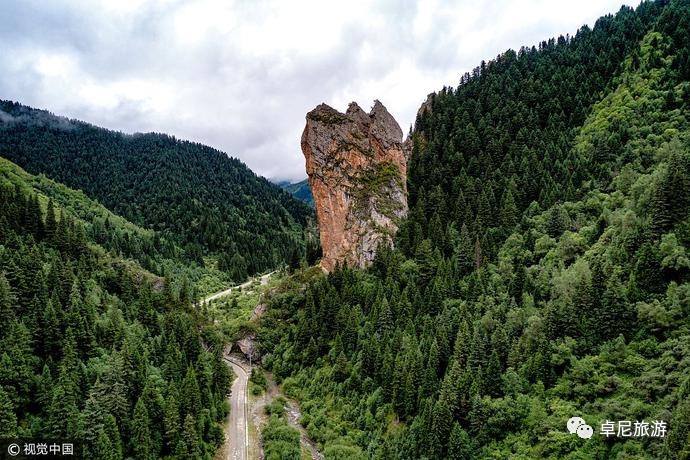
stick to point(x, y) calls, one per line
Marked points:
point(93, 416)
point(678, 183)
point(492, 379)
point(6, 304)
point(385, 320)
point(677, 443)
point(648, 269)
point(477, 254)
point(104, 449)
point(44, 387)
point(190, 444)
point(459, 445)
point(440, 428)
point(34, 218)
point(61, 238)
point(8, 419)
point(463, 252)
point(386, 376)
point(111, 430)
point(670, 202)
point(424, 257)
point(484, 213)
point(191, 404)
point(141, 441)
point(51, 222)
point(509, 212)
point(436, 233)
point(433, 362)
point(341, 368)
point(171, 420)
point(555, 226)
point(460, 207)
point(153, 400)
point(62, 412)
point(52, 335)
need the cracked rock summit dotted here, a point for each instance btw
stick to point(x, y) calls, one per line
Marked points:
point(357, 168)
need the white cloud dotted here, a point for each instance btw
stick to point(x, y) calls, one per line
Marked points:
point(240, 75)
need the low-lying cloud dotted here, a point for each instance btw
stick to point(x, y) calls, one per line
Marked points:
point(241, 75)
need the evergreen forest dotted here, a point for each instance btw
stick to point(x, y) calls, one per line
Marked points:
point(206, 202)
point(94, 348)
point(542, 272)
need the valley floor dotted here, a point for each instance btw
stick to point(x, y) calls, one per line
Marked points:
point(247, 414)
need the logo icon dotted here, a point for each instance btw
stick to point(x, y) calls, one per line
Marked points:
point(577, 425)
point(13, 449)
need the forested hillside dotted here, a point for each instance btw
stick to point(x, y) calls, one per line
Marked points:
point(191, 194)
point(300, 190)
point(121, 238)
point(93, 348)
point(543, 271)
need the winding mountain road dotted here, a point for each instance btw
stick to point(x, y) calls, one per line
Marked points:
point(236, 445)
point(217, 295)
point(237, 428)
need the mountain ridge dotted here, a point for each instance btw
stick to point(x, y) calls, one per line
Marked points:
point(299, 190)
point(542, 271)
point(208, 202)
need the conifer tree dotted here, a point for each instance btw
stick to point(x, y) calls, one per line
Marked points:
point(477, 254)
point(464, 251)
point(191, 404)
point(509, 211)
point(189, 445)
point(171, 421)
point(440, 428)
point(459, 446)
point(6, 307)
point(8, 419)
point(104, 449)
point(51, 222)
point(141, 433)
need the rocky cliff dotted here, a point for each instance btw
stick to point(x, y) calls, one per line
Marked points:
point(357, 167)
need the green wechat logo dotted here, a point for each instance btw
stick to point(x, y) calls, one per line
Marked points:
point(577, 425)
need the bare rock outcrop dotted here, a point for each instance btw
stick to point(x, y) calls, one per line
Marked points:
point(357, 168)
point(249, 347)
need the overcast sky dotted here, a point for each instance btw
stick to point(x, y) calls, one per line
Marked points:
point(241, 75)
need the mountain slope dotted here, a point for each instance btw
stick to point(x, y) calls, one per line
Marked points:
point(120, 237)
point(542, 272)
point(193, 194)
point(299, 190)
point(93, 348)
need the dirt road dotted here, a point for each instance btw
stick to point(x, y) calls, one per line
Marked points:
point(217, 295)
point(236, 428)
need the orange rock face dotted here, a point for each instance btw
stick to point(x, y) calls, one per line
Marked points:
point(357, 167)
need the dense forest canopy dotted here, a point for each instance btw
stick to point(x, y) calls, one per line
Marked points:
point(93, 348)
point(542, 271)
point(192, 194)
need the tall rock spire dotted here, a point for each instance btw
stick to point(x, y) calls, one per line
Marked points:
point(357, 167)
